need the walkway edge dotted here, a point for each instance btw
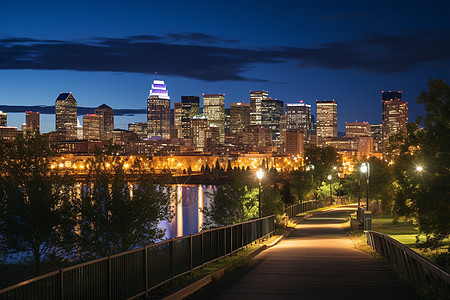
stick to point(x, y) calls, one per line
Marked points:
point(204, 281)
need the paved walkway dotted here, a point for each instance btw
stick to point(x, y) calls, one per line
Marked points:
point(317, 261)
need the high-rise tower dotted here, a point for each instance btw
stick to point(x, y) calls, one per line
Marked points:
point(106, 114)
point(256, 98)
point(66, 115)
point(271, 111)
point(190, 106)
point(394, 115)
point(158, 110)
point(239, 117)
point(326, 112)
point(3, 119)
point(32, 122)
point(298, 117)
point(214, 111)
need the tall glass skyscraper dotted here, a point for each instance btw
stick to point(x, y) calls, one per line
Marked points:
point(256, 99)
point(190, 106)
point(214, 111)
point(106, 114)
point(298, 117)
point(394, 115)
point(158, 110)
point(326, 112)
point(66, 115)
point(271, 111)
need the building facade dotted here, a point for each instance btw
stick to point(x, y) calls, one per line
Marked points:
point(239, 117)
point(3, 119)
point(158, 110)
point(106, 115)
point(32, 122)
point(271, 111)
point(357, 129)
point(256, 99)
point(326, 117)
point(92, 127)
point(394, 116)
point(66, 115)
point(190, 106)
point(214, 111)
point(298, 117)
point(199, 125)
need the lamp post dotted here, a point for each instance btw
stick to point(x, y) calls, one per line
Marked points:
point(260, 175)
point(419, 169)
point(365, 168)
point(331, 197)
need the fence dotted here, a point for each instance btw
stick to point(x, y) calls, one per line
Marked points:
point(426, 276)
point(293, 210)
point(134, 273)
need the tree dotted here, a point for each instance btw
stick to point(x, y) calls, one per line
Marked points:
point(36, 209)
point(116, 215)
point(425, 196)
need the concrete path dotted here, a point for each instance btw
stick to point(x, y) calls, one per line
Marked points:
point(317, 261)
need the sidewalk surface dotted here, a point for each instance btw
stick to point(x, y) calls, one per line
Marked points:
point(317, 261)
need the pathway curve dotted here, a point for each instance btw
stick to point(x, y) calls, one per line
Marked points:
point(317, 261)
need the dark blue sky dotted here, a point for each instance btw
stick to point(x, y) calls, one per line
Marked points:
point(108, 51)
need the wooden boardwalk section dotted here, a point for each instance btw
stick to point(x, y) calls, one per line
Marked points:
point(317, 261)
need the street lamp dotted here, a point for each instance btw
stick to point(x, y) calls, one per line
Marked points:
point(419, 169)
point(365, 168)
point(331, 197)
point(260, 175)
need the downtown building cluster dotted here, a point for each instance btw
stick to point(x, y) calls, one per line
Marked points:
point(263, 125)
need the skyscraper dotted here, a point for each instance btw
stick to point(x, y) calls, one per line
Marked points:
point(199, 125)
point(239, 117)
point(177, 119)
point(191, 107)
point(256, 99)
point(298, 117)
point(66, 115)
point(3, 119)
point(394, 115)
point(106, 115)
point(326, 112)
point(32, 122)
point(92, 127)
point(158, 110)
point(376, 131)
point(271, 111)
point(214, 111)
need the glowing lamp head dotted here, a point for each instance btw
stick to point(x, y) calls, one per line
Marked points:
point(260, 174)
point(419, 168)
point(329, 177)
point(364, 168)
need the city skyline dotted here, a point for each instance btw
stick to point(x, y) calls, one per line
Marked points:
point(108, 54)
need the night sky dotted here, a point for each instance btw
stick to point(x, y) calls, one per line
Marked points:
point(108, 52)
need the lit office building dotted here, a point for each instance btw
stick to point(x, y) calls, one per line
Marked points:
point(256, 99)
point(199, 125)
point(294, 142)
point(177, 117)
point(357, 129)
point(106, 115)
point(158, 110)
point(298, 116)
point(140, 128)
point(239, 117)
point(271, 111)
point(283, 128)
point(32, 122)
point(91, 127)
point(3, 119)
point(66, 115)
point(214, 111)
point(326, 112)
point(376, 132)
point(394, 115)
point(190, 107)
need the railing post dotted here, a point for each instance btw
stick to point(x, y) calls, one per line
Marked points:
point(190, 251)
point(109, 278)
point(171, 258)
point(146, 271)
point(202, 248)
point(61, 284)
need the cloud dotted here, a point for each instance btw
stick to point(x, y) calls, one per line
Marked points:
point(201, 56)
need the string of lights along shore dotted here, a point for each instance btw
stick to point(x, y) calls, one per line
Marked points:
point(263, 125)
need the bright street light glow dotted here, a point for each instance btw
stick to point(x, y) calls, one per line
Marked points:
point(419, 168)
point(329, 177)
point(260, 174)
point(364, 168)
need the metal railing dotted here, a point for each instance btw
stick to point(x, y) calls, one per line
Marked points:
point(135, 273)
point(294, 210)
point(425, 275)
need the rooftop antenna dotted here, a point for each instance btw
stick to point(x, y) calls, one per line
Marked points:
point(156, 75)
